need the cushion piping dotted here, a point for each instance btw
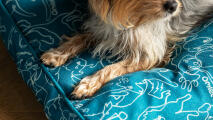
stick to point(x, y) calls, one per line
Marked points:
point(59, 89)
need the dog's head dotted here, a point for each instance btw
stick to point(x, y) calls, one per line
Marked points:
point(132, 13)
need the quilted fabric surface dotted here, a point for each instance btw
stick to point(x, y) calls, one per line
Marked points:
point(183, 90)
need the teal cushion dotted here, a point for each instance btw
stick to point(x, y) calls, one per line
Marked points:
point(182, 90)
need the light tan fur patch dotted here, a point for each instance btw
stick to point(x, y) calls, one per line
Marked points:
point(73, 46)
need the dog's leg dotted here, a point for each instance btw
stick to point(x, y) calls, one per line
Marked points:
point(90, 84)
point(69, 49)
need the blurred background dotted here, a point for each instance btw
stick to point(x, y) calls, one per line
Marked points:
point(17, 101)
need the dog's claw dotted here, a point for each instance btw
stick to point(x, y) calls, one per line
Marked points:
point(75, 97)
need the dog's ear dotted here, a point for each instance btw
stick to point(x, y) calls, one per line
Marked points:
point(101, 8)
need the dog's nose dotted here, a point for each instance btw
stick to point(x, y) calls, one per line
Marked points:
point(170, 6)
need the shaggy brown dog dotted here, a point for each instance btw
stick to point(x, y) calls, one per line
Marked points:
point(135, 31)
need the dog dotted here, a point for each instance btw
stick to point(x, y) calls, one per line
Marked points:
point(140, 33)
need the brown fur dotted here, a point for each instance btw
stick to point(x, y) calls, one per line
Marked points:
point(128, 13)
point(119, 13)
point(73, 46)
point(89, 85)
point(92, 83)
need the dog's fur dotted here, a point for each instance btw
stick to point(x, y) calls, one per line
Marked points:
point(138, 32)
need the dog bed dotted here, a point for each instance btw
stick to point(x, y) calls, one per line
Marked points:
point(183, 90)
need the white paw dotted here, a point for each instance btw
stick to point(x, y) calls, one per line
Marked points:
point(87, 87)
point(54, 58)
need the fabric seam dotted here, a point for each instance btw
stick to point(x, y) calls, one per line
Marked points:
point(59, 89)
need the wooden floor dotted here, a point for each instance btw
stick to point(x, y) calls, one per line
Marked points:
point(16, 99)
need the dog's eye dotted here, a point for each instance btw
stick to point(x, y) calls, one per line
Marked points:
point(110, 2)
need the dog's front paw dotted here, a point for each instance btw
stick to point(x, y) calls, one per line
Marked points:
point(54, 58)
point(87, 87)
